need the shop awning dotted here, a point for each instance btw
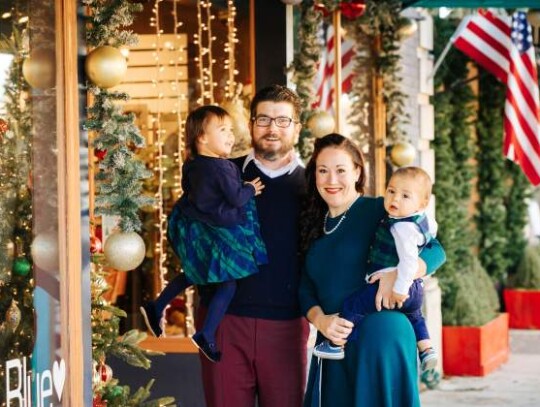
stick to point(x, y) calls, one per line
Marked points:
point(471, 3)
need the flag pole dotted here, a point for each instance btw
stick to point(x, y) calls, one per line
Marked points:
point(440, 59)
point(337, 68)
point(446, 49)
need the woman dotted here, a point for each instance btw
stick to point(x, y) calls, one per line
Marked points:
point(338, 226)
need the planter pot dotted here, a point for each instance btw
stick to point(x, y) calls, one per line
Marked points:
point(475, 350)
point(523, 307)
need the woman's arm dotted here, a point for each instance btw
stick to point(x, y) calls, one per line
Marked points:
point(332, 327)
point(433, 255)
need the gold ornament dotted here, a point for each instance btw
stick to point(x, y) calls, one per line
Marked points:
point(124, 251)
point(13, 316)
point(45, 251)
point(321, 123)
point(39, 69)
point(402, 154)
point(105, 66)
point(409, 27)
point(240, 119)
point(10, 249)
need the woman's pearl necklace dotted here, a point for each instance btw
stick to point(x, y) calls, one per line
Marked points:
point(343, 216)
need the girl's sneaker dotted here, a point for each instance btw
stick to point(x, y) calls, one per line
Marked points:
point(153, 321)
point(325, 350)
point(208, 349)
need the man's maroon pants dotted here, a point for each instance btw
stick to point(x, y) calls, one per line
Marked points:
point(261, 359)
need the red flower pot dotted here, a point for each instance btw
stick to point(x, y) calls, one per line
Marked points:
point(475, 350)
point(523, 306)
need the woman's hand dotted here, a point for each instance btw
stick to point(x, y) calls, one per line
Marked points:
point(333, 327)
point(399, 299)
point(384, 294)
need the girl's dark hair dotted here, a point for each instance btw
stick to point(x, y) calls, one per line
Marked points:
point(314, 207)
point(195, 123)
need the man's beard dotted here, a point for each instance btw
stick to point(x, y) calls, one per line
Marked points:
point(271, 154)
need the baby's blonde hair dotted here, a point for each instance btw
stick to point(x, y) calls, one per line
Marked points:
point(418, 175)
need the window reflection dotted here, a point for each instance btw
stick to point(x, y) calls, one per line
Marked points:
point(30, 339)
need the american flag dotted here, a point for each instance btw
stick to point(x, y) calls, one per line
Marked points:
point(503, 46)
point(324, 81)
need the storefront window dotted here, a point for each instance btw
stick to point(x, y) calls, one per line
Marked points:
point(33, 360)
point(187, 55)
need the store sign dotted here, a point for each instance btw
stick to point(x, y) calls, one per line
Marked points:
point(27, 388)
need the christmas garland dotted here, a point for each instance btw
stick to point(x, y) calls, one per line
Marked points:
point(491, 211)
point(468, 295)
point(367, 21)
point(118, 193)
point(502, 187)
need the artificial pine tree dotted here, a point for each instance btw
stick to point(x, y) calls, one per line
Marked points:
point(516, 214)
point(119, 193)
point(16, 278)
point(491, 185)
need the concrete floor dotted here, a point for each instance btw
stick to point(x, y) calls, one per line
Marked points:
point(515, 384)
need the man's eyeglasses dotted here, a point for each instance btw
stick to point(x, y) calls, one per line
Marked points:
point(265, 121)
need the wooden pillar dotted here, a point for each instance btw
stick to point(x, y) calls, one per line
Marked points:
point(72, 318)
point(379, 126)
point(337, 69)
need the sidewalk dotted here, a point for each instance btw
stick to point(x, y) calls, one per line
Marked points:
point(514, 384)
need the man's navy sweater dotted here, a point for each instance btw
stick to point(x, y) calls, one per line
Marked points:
point(272, 293)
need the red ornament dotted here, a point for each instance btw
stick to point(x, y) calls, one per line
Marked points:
point(4, 126)
point(100, 154)
point(105, 372)
point(95, 245)
point(320, 7)
point(352, 10)
point(99, 402)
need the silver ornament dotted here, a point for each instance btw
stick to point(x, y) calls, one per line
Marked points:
point(45, 251)
point(124, 251)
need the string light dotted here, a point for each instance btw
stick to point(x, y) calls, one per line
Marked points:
point(230, 46)
point(177, 189)
point(159, 168)
point(205, 62)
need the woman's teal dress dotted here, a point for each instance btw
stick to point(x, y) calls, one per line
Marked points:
point(380, 369)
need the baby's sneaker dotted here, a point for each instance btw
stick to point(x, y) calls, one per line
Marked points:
point(325, 350)
point(428, 360)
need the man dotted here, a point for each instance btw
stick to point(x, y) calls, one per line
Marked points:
point(263, 335)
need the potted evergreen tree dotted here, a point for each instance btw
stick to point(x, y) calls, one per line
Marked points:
point(475, 334)
point(522, 295)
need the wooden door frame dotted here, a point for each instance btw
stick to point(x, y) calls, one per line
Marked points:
point(69, 219)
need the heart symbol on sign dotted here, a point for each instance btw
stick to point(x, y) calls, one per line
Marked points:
point(59, 377)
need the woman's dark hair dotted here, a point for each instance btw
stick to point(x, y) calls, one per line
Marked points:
point(314, 207)
point(195, 123)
